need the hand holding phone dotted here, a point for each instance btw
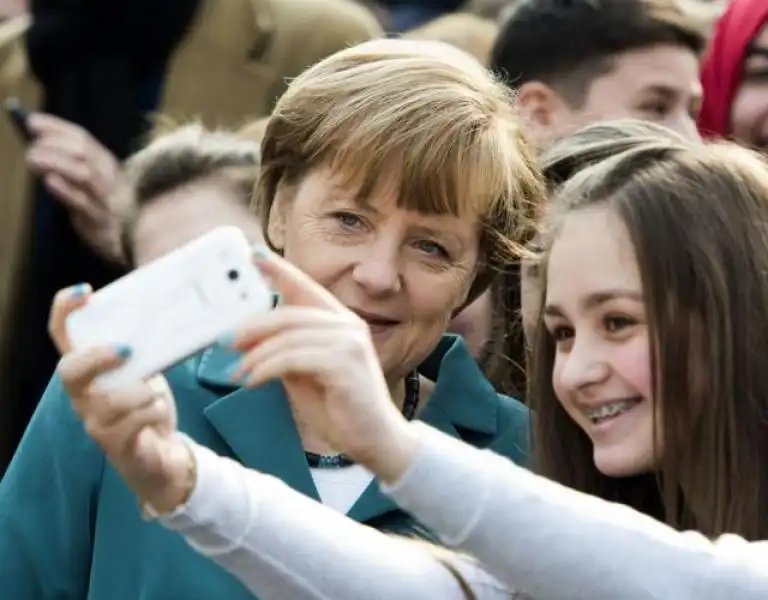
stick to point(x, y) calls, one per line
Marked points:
point(174, 307)
point(19, 116)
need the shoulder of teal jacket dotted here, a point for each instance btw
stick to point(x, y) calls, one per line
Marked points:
point(514, 439)
point(463, 394)
point(48, 500)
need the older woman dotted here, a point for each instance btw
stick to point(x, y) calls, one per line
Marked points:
point(394, 175)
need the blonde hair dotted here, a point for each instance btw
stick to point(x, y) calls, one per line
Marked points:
point(471, 33)
point(186, 155)
point(426, 109)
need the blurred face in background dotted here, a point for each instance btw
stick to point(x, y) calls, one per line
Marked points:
point(658, 84)
point(12, 8)
point(474, 323)
point(749, 112)
point(177, 217)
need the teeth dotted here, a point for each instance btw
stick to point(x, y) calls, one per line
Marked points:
point(610, 410)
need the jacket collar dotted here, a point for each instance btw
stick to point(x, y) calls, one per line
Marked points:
point(258, 426)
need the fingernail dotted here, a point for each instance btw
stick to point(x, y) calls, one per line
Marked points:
point(124, 351)
point(79, 290)
point(261, 251)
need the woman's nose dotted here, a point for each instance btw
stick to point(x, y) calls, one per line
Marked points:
point(378, 271)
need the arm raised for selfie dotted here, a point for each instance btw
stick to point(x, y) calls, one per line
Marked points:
point(281, 544)
point(554, 542)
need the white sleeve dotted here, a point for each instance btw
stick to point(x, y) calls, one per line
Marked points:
point(282, 544)
point(555, 543)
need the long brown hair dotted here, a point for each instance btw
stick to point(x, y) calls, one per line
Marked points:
point(504, 356)
point(697, 217)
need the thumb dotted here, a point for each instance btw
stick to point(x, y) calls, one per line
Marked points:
point(147, 452)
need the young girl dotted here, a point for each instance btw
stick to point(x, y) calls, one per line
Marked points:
point(649, 364)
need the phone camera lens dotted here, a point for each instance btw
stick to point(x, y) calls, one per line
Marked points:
point(233, 275)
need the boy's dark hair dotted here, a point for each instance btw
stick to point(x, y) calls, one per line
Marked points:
point(566, 44)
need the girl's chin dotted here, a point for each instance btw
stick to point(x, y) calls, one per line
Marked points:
point(612, 465)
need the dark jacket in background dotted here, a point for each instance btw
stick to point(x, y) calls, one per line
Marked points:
point(407, 14)
point(96, 61)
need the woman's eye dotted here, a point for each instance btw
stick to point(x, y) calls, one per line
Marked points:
point(432, 248)
point(618, 323)
point(348, 220)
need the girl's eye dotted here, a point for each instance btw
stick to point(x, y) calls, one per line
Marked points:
point(618, 323)
point(561, 333)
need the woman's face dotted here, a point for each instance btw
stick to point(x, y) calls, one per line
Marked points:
point(749, 112)
point(402, 271)
point(594, 311)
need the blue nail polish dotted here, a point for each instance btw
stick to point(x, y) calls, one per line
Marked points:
point(124, 351)
point(261, 251)
point(79, 290)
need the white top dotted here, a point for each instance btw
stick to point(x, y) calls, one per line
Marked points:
point(339, 489)
point(532, 534)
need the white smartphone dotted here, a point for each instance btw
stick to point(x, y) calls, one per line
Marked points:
point(173, 307)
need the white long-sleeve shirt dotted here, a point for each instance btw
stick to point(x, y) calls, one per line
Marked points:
point(528, 533)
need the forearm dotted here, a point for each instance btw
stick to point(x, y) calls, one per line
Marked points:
point(552, 542)
point(281, 544)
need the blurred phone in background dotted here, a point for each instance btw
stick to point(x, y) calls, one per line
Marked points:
point(19, 116)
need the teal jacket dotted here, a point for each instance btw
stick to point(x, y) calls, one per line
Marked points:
point(71, 530)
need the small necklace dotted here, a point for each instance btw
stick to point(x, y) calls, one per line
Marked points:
point(339, 461)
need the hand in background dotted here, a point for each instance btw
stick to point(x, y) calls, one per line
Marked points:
point(81, 174)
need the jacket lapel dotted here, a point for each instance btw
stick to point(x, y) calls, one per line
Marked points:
point(256, 424)
point(259, 428)
point(463, 402)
